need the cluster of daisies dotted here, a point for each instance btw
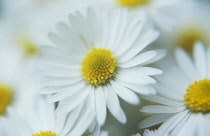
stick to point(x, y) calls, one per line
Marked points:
point(104, 68)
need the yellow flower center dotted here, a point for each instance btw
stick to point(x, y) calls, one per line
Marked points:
point(6, 98)
point(28, 46)
point(132, 3)
point(197, 97)
point(189, 36)
point(99, 66)
point(45, 133)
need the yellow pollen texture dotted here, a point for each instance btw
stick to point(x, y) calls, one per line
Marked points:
point(6, 98)
point(197, 97)
point(132, 3)
point(45, 133)
point(99, 66)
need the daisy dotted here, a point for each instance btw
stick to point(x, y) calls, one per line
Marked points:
point(96, 59)
point(11, 79)
point(29, 30)
point(190, 25)
point(40, 120)
point(183, 95)
point(156, 11)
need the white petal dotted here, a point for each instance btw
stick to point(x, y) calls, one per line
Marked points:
point(173, 121)
point(154, 120)
point(67, 92)
point(185, 63)
point(135, 79)
point(70, 103)
point(100, 106)
point(114, 105)
point(160, 54)
point(161, 109)
point(200, 59)
point(125, 93)
point(130, 36)
point(146, 39)
point(162, 100)
point(139, 59)
point(83, 124)
point(141, 89)
point(72, 117)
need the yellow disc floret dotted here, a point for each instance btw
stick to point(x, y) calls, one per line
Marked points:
point(45, 133)
point(6, 98)
point(132, 3)
point(99, 66)
point(197, 97)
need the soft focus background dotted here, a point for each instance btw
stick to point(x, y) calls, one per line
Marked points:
point(24, 25)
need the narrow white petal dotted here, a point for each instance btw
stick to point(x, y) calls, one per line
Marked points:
point(185, 63)
point(114, 105)
point(139, 59)
point(131, 35)
point(162, 100)
point(100, 106)
point(200, 59)
point(70, 103)
point(174, 120)
point(125, 93)
point(154, 120)
point(161, 109)
point(67, 92)
point(146, 39)
point(141, 89)
point(72, 117)
point(135, 79)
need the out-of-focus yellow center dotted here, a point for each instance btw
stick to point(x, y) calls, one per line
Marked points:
point(6, 98)
point(132, 3)
point(99, 66)
point(28, 46)
point(45, 133)
point(197, 97)
point(187, 37)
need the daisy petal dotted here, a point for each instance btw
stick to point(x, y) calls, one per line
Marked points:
point(144, 57)
point(114, 105)
point(154, 120)
point(125, 93)
point(100, 106)
point(161, 109)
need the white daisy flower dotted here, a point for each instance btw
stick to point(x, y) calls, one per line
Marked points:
point(96, 59)
point(40, 121)
point(184, 96)
point(151, 133)
point(190, 24)
point(29, 30)
point(11, 79)
point(154, 10)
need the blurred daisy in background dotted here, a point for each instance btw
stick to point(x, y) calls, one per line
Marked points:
point(13, 75)
point(156, 11)
point(94, 64)
point(189, 25)
point(15, 81)
point(25, 23)
point(40, 120)
point(184, 96)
